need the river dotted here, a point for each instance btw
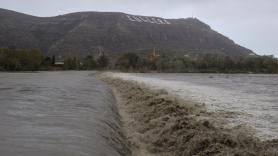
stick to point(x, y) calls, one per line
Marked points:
point(243, 99)
point(58, 114)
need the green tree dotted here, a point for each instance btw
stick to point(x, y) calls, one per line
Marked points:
point(16, 60)
point(35, 57)
point(2, 59)
point(71, 63)
point(89, 63)
point(103, 61)
point(47, 62)
point(128, 61)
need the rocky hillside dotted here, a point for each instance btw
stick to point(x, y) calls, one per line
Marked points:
point(89, 32)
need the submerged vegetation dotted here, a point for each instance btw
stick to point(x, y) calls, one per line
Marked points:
point(33, 60)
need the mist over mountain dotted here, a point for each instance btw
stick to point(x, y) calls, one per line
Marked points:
point(84, 33)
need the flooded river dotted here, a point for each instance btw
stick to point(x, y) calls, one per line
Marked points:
point(74, 114)
point(244, 99)
point(58, 114)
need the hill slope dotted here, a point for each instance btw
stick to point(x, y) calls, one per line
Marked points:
point(87, 32)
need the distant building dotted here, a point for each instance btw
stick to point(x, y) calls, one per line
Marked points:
point(186, 55)
point(153, 56)
point(59, 62)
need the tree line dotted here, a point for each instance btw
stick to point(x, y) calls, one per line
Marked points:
point(20, 60)
point(87, 63)
point(33, 60)
point(208, 63)
point(12, 59)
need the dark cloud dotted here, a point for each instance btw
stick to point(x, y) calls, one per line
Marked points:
point(251, 23)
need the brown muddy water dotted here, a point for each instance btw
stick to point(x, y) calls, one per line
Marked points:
point(158, 123)
point(58, 114)
point(242, 99)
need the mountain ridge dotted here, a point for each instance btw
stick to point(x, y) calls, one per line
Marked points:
point(85, 33)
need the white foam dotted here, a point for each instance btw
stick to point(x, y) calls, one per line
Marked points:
point(251, 112)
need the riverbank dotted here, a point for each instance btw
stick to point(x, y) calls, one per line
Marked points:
point(157, 123)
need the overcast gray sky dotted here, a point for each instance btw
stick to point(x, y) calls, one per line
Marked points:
point(251, 23)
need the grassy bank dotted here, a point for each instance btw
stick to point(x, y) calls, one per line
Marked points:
point(157, 123)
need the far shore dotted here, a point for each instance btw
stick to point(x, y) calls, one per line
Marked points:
point(150, 72)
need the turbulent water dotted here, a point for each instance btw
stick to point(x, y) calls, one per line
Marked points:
point(58, 114)
point(243, 99)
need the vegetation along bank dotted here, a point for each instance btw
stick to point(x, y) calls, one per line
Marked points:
point(34, 60)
